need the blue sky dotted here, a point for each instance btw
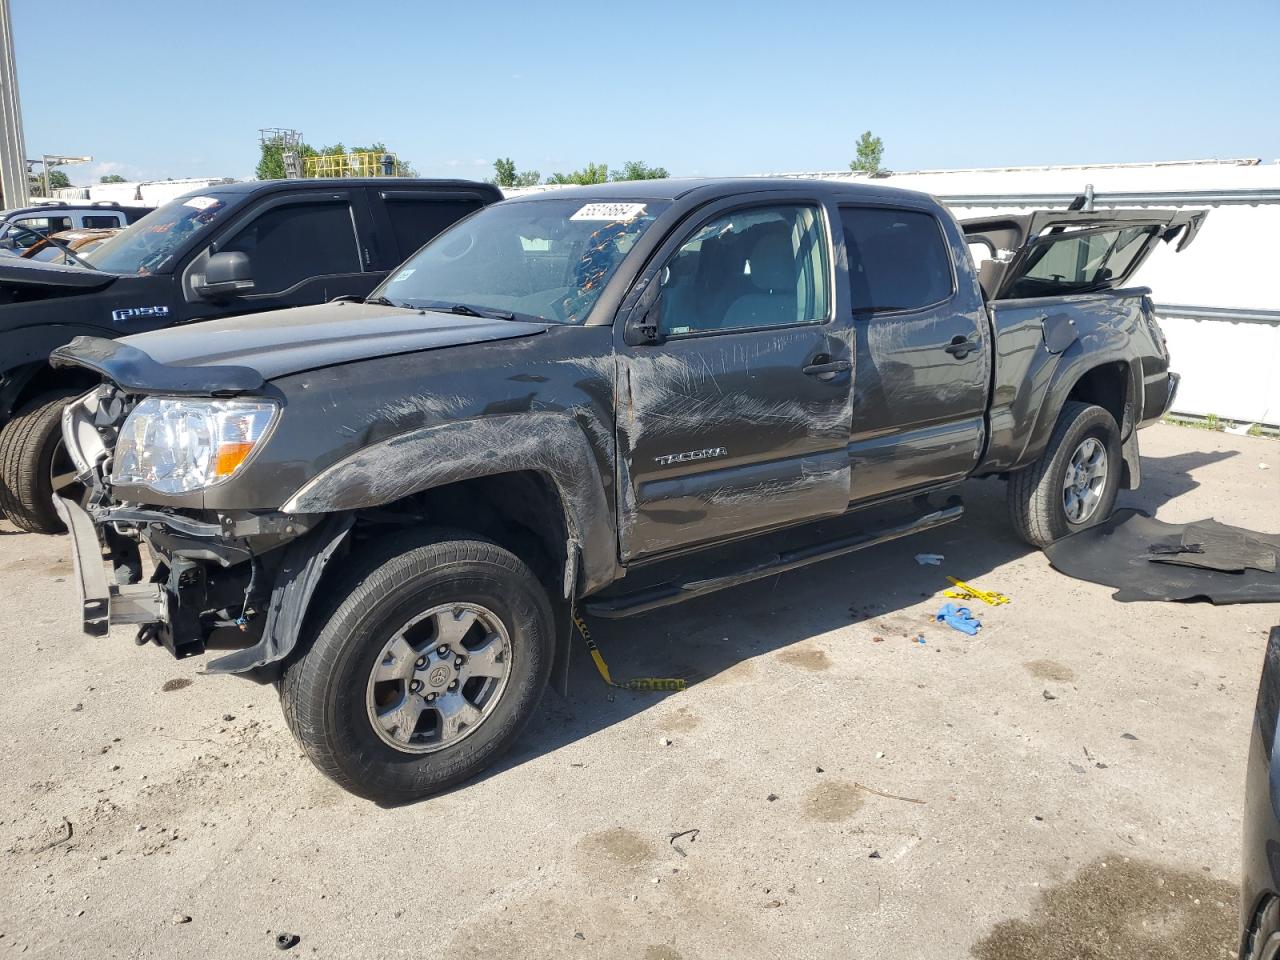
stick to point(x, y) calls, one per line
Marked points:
point(178, 88)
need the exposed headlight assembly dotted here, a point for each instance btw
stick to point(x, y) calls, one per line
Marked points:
point(175, 445)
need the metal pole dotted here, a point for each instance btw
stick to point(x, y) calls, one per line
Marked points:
point(44, 167)
point(13, 151)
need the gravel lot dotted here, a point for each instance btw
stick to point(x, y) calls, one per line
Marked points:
point(1079, 765)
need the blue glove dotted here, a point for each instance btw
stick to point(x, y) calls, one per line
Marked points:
point(960, 618)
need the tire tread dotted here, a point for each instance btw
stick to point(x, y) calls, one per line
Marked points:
point(22, 443)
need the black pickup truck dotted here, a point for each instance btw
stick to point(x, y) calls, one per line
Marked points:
point(614, 397)
point(227, 249)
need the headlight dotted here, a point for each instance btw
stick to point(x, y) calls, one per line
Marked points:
point(174, 446)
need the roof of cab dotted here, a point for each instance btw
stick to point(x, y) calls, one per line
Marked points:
point(246, 187)
point(709, 188)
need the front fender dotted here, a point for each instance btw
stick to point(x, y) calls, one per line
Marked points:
point(24, 353)
point(548, 442)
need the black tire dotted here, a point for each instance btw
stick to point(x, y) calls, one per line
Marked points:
point(29, 444)
point(1036, 504)
point(323, 690)
point(1263, 932)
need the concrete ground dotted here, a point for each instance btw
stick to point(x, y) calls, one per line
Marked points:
point(1066, 784)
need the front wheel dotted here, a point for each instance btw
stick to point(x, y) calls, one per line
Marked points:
point(1074, 484)
point(431, 663)
point(35, 465)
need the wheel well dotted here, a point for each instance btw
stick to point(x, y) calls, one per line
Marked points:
point(1108, 387)
point(43, 378)
point(520, 511)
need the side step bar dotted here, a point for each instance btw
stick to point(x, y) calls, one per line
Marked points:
point(665, 594)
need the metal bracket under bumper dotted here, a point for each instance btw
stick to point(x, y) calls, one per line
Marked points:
point(103, 603)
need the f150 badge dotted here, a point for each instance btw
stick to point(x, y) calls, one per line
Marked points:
point(710, 453)
point(138, 313)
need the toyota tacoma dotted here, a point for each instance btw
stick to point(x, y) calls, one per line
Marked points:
point(606, 398)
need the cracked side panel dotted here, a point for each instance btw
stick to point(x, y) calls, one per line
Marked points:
point(723, 435)
point(433, 456)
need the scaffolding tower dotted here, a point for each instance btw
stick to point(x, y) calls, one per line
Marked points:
point(369, 164)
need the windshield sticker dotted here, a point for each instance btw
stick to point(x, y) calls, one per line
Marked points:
point(200, 203)
point(404, 274)
point(609, 211)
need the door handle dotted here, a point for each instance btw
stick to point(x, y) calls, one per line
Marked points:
point(960, 347)
point(823, 366)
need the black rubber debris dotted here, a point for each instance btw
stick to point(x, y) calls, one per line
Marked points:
point(286, 941)
point(1128, 552)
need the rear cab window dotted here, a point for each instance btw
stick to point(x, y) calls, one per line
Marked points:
point(1075, 260)
point(898, 259)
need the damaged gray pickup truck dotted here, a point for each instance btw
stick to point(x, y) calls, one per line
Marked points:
point(615, 397)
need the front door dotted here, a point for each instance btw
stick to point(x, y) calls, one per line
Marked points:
point(737, 420)
point(302, 249)
point(923, 360)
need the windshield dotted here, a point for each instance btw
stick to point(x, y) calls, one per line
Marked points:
point(547, 259)
point(150, 245)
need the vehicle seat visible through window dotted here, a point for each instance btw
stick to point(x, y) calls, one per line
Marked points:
point(770, 268)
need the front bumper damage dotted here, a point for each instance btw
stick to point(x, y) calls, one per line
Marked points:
point(233, 580)
point(210, 587)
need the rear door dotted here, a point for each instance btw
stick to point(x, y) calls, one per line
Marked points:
point(738, 419)
point(407, 219)
point(923, 360)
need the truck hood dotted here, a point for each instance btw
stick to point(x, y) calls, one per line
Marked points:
point(15, 271)
point(236, 354)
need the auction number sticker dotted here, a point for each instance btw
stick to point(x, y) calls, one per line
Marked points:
point(609, 211)
point(200, 203)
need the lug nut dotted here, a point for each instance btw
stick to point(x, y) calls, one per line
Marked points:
point(430, 697)
point(459, 662)
point(415, 686)
point(422, 662)
point(453, 685)
point(442, 650)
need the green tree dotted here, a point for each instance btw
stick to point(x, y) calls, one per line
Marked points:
point(57, 179)
point(591, 173)
point(271, 162)
point(112, 178)
point(505, 174)
point(870, 153)
point(639, 170)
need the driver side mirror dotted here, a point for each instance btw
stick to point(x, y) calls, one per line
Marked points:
point(644, 323)
point(227, 274)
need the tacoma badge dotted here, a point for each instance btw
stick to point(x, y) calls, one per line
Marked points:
point(711, 452)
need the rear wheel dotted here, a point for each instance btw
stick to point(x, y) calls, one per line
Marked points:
point(431, 659)
point(1074, 484)
point(34, 464)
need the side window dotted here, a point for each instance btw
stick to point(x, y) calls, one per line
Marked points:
point(290, 243)
point(42, 225)
point(99, 220)
point(758, 267)
point(898, 259)
point(414, 222)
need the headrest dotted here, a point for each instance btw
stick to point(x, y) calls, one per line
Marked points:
point(773, 262)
